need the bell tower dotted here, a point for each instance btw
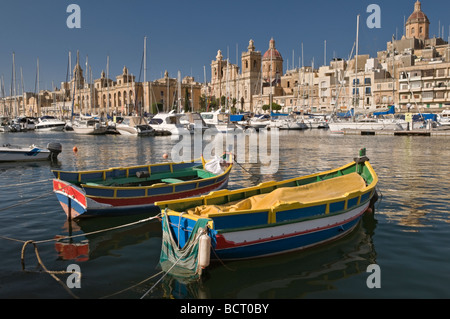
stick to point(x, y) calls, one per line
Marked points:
point(250, 76)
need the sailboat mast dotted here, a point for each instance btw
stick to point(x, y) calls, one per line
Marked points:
point(38, 90)
point(86, 75)
point(179, 92)
point(145, 71)
point(23, 96)
point(355, 98)
point(14, 84)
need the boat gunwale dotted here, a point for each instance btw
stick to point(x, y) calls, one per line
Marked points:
point(158, 185)
point(58, 172)
point(214, 180)
point(221, 193)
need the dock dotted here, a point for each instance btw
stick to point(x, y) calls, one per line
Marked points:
point(423, 132)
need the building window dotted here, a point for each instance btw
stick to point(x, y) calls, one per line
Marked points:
point(421, 30)
point(412, 30)
point(428, 95)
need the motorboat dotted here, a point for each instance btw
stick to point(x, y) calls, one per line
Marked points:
point(89, 126)
point(194, 121)
point(219, 121)
point(17, 153)
point(49, 123)
point(133, 125)
point(169, 123)
point(287, 122)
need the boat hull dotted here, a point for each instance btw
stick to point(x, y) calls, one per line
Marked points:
point(76, 203)
point(339, 127)
point(11, 154)
point(282, 239)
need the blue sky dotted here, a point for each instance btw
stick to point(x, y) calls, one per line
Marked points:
point(185, 35)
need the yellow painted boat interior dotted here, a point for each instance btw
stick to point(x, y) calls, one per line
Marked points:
point(316, 192)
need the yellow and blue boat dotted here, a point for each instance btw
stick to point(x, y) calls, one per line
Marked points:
point(133, 190)
point(268, 219)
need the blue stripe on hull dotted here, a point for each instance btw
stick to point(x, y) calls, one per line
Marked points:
point(287, 244)
point(123, 211)
point(107, 211)
point(64, 201)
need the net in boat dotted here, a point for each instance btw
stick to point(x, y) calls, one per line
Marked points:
point(181, 261)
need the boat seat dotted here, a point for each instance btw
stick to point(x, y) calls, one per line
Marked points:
point(172, 180)
point(305, 194)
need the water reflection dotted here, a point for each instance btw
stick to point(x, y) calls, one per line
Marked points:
point(97, 237)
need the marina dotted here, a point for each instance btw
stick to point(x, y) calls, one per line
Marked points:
point(190, 160)
point(410, 216)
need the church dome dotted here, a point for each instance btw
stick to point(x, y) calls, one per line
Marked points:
point(418, 16)
point(272, 53)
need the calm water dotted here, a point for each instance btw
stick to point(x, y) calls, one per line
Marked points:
point(407, 236)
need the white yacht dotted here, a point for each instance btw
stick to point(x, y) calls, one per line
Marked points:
point(444, 118)
point(168, 123)
point(133, 125)
point(289, 122)
point(365, 124)
point(193, 121)
point(89, 126)
point(49, 123)
point(219, 121)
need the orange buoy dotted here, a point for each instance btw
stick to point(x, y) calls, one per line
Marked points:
point(75, 149)
point(165, 156)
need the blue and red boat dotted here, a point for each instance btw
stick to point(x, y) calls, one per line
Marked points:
point(269, 219)
point(134, 190)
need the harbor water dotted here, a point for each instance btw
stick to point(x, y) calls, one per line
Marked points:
point(406, 237)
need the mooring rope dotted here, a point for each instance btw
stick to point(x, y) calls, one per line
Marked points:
point(26, 201)
point(27, 183)
point(53, 273)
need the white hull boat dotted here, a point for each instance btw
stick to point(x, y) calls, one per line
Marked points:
point(49, 124)
point(15, 153)
point(133, 125)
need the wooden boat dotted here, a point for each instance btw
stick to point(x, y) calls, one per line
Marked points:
point(268, 219)
point(134, 189)
point(17, 153)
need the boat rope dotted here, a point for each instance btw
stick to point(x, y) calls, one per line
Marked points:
point(243, 168)
point(84, 234)
point(50, 272)
point(54, 273)
point(26, 201)
point(197, 238)
point(27, 183)
point(136, 285)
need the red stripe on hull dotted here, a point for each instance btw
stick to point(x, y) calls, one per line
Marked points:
point(152, 199)
point(71, 191)
point(222, 243)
